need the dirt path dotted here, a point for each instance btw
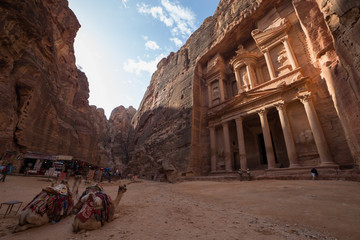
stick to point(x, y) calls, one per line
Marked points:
point(209, 210)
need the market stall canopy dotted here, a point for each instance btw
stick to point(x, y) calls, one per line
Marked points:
point(40, 156)
point(64, 157)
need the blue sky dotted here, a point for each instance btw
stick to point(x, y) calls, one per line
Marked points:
point(120, 43)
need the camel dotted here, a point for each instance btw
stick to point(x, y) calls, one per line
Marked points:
point(94, 208)
point(51, 204)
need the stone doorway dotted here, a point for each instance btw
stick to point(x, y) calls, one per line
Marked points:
point(254, 141)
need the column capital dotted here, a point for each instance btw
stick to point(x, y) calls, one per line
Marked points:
point(225, 123)
point(239, 119)
point(261, 111)
point(279, 106)
point(304, 97)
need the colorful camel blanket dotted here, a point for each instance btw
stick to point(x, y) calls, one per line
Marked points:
point(50, 201)
point(88, 208)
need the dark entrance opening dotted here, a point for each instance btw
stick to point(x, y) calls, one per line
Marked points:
point(28, 164)
point(236, 159)
point(263, 158)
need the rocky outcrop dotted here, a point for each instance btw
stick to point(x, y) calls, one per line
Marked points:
point(119, 133)
point(43, 96)
point(343, 20)
point(332, 31)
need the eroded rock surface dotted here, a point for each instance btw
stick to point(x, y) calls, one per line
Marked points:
point(185, 97)
point(43, 96)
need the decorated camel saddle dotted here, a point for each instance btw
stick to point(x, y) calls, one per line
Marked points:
point(95, 207)
point(50, 205)
point(93, 203)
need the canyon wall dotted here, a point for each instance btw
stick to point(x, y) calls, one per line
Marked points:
point(164, 120)
point(171, 119)
point(119, 133)
point(44, 104)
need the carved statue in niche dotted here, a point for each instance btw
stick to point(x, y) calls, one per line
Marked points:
point(216, 92)
point(245, 78)
point(282, 57)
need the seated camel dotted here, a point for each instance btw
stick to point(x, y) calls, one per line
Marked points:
point(50, 205)
point(94, 208)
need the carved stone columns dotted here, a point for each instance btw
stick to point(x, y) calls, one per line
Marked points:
point(213, 149)
point(319, 137)
point(290, 54)
point(241, 142)
point(288, 135)
point(210, 95)
point(269, 64)
point(227, 147)
point(222, 90)
point(238, 81)
point(267, 138)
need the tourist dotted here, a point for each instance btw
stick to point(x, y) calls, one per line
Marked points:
point(248, 174)
point(314, 173)
point(240, 174)
point(109, 176)
point(5, 172)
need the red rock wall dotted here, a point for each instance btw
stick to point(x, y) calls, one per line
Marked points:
point(43, 96)
point(332, 28)
point(119, 133)
point(165, 121)
point(170, 125)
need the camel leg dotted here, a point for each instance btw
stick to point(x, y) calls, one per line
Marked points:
point(90, 224)
point(29, 220)
point(19, 228)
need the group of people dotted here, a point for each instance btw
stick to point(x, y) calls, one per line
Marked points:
point(314, 174)
point(247, 174)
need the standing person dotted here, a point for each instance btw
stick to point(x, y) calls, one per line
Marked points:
point(109, 176)
point(314, 173)
point(240, 174)
point(248, 173)
point(5, 172)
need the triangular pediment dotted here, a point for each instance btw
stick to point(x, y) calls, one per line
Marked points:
point(267, 37)
point(243, 100)
point(250, 96)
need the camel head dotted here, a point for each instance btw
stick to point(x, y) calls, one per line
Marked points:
point(122, 189)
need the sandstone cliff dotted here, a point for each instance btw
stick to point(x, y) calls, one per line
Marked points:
point(119, 133)
point(43, 96)
point(166, 141)
point(164, 119)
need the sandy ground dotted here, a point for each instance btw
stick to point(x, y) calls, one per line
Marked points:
point(268, 209)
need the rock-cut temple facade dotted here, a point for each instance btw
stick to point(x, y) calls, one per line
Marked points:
point(268, 96)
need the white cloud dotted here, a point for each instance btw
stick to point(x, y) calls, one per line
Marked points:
point(151, 45)
point(156, 12)
point(124, 2)
point(177, 41)
point(180, 19)
point(137, 66)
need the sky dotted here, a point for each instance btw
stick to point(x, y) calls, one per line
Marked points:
point(120, 42)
